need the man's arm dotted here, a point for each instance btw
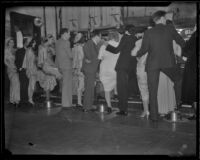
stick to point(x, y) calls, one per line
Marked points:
point(117, 49)
point(179, 40)
point(145, 45)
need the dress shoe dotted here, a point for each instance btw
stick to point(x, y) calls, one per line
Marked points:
point(79, 106)
point(109, 110)
point(154, 119)
point(122, 113)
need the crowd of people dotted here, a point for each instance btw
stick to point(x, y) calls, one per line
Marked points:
point(151, 54)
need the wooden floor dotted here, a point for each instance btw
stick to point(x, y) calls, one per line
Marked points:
point(63, 131)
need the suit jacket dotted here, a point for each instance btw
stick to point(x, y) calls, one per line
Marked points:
point(63, 55)
point(190, 52)
point(91, 51)
point(19, 58)
point(158, 42)
point(125, 60)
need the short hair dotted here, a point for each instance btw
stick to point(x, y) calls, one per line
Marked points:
point(63, 30)
point(130, 28)
point(96, 33)
point(158, 14)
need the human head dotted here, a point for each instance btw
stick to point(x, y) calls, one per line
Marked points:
point(79, 38)
point(65, 33)
point(9, 42)
point(96, 35)
point(159, 17)
point(49, 39)
point(130, 28)
point(113, 35)
point(31, 43)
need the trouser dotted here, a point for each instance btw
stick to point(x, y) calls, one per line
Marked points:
point(67, 88)
point(153, 80)
point(122, 88)
point(89, 90)
point(24, 86)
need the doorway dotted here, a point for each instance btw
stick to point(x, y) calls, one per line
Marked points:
point(26, 24)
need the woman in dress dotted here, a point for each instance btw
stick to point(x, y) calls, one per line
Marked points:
point(107, 72)
point(9, 60)
point(31, 68)
point(47, 77)
point(77, 65)
point(166, 95)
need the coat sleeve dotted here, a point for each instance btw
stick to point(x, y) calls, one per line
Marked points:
point(145, 45)
point(87, 52)
point(117, 49)
point(179, 40)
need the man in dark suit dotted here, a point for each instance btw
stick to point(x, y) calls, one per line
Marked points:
point(20, 53)
point(158, 43)
point(89, 69)
point(122, 67)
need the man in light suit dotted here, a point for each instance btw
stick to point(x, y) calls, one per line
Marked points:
point(158, 42)
point(64, 64)
point(89, 69)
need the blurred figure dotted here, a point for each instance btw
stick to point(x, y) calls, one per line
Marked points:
point(77, 65)
point(9, 60)
point(20, 54)
point(89, 69)
point(31, 67)
point(64, 60)
point(107, 73)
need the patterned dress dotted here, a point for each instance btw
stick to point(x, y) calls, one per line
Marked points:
point(13, 76)
point(78, 77)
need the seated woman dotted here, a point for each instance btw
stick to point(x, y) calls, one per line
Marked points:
point(107, 72)
point(9, 60)
point(49, 74)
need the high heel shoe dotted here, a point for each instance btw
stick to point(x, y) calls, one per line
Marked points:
point(145, 114)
